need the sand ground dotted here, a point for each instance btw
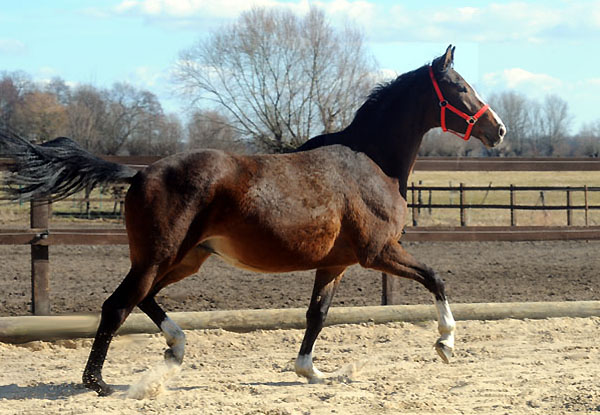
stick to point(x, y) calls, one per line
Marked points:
point(500, 367)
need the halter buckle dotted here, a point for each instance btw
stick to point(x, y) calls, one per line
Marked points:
point(443, 103)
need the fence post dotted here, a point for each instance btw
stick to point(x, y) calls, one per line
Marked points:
point(430, 210)
point(463, 219)
point(513, 219)
point(569, 211)
point(585, 196)
point(415, 212)
point(419, 198)
point(389, 294)
point(40, 266)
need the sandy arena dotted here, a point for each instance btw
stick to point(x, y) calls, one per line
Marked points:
point(500, 367)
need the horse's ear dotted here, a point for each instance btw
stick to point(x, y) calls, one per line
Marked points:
point(445, 61)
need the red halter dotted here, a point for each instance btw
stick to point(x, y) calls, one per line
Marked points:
point(471, 120)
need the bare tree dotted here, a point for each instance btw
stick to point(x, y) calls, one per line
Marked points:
point(59, 88)
point(555, 120)
point(210, 129)
point(87, 112)
point(160, 135)
point(128, 111)
point(515, 109)
point(588, 140)
point(13, 87)
point(279, 78)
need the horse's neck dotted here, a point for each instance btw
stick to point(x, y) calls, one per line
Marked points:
point(395, 155)
point(391, 143)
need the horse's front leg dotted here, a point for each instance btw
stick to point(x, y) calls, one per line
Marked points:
point(326, 282)
point(394, 260)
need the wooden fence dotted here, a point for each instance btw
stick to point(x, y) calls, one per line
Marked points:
point(40, 236)
point(421, 199)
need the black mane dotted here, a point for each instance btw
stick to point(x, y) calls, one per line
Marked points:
point(382, 93)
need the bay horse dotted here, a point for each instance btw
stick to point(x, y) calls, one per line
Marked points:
point(339, 200)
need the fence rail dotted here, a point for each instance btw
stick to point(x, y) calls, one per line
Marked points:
point(416, 203)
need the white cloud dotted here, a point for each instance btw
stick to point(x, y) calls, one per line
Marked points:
point(146, 77)
point(517, 78)
point(495, 22)
point(189, 8)
point(11, 46)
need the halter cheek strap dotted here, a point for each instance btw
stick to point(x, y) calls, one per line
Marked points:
point(470, 119)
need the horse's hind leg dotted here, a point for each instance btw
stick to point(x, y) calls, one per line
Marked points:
point(172, 332)
point(326, 282)
point(115, 310)
point(393, 259)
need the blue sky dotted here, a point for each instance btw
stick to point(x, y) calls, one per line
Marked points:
point(535, 47)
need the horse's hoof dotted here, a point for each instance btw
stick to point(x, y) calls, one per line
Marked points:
point(312, 374)
point(171, 358)
point(98, 386)
point(444, 351)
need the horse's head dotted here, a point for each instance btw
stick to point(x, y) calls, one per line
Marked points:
point(462, 111)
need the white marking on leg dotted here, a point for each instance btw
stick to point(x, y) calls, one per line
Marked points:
point(304, 367)
point(446, 323)
point(444, 346)
point(175, 338)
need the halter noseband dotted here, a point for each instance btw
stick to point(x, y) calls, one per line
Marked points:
point(471, 120)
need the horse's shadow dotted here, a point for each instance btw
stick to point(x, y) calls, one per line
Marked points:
point(49, 391)
point(275, 384)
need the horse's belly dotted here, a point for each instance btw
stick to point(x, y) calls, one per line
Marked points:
point(229, 253)
point(261, 256)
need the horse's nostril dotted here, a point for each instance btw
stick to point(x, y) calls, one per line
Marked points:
point(501, 131)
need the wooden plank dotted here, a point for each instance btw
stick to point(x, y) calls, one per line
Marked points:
point(507, 164)
point(459, 233)
point(30, 328)
point(93, 236)
point(501, 233)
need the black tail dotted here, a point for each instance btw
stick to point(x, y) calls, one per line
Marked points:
point(55, 169)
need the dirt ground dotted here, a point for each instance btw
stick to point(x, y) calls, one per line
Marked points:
point(502, 367)
point(83, 276)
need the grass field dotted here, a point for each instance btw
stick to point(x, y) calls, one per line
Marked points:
point(70, 211)
point(451, 217)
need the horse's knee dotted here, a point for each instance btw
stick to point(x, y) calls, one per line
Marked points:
point(315, 318)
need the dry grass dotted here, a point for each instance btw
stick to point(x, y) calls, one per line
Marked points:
point(451, 217)
point(68, 211)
